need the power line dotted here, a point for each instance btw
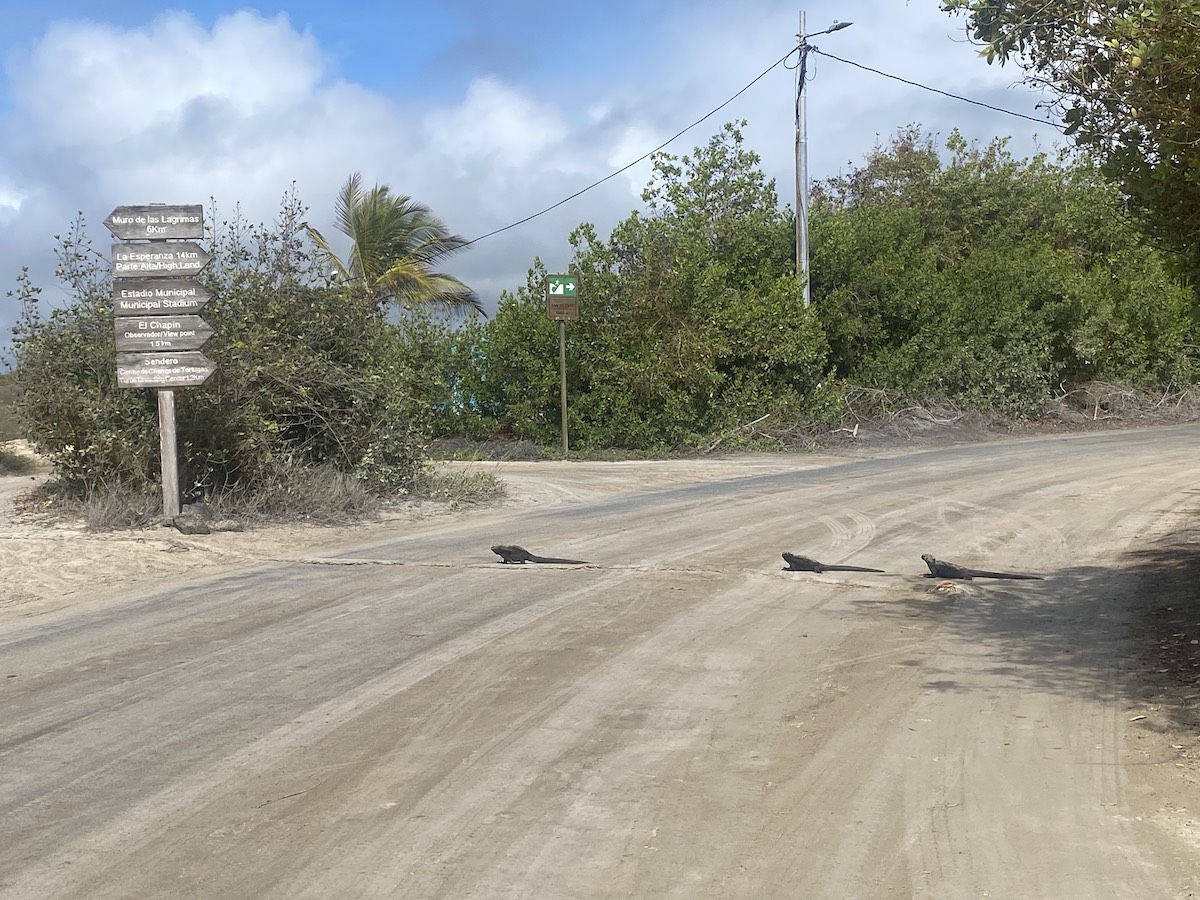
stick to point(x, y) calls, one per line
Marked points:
point(645, 156)
point(716, 110)
point(925, 87)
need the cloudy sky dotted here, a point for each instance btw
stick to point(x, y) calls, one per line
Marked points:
point(486, 110)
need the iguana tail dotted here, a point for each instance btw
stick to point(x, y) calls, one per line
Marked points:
point(797, 563)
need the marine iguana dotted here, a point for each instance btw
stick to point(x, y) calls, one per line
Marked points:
point(805, 564)
point(511, 553)
point(941, 569)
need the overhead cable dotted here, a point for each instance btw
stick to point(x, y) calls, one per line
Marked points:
point(717, 109)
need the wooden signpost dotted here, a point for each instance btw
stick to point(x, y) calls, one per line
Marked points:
point(155, 307)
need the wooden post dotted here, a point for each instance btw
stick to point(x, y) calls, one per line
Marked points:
point(167, 452)
point(562, 369)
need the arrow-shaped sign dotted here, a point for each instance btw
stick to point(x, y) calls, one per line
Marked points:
point(162, 333)
point(163, 370)
point(158, 296)
point(179, 258)
point(156, 221)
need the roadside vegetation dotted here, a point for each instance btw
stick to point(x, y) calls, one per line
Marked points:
point(10, 425)
point(951, 283)
point(1123, 77)
point(14, 462)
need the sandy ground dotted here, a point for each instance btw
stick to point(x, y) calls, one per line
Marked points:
point(384, 711)
point(47, 565)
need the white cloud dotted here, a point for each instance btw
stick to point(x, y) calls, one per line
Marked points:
point(91, 86)
point(10, 202)
point(495, 126)
point(174, 112)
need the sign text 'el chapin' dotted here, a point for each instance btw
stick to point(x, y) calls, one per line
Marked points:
point(162, 333)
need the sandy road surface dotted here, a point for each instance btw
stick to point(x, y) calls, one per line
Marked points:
point(681, 719)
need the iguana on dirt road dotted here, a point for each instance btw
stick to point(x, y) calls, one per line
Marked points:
point(511, 553)
point(941, 569)
point(805, 564)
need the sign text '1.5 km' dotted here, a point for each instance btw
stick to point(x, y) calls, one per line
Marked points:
point(161, 333)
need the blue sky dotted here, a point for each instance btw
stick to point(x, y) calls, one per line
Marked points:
point(486, 111)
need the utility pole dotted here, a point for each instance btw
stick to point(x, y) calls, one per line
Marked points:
point(802, 150)
point(802, 164)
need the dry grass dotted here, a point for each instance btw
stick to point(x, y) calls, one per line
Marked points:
point(14, 461)
point(289, 493)
point(9, 426)
point(458, 488)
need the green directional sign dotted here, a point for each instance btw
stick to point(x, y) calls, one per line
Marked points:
point(562, 297)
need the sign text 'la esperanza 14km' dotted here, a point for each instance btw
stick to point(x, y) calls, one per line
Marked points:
point(180, 258)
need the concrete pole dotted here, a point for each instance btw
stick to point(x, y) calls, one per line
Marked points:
point(802, 166)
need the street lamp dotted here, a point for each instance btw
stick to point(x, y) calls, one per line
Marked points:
point(802, 152)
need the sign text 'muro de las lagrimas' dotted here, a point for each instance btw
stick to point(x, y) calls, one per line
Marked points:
point(158, 221)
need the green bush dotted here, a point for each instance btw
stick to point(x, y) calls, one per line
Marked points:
point(10, 426)
point(691, 322)
point(990, 281)
point(305, 377)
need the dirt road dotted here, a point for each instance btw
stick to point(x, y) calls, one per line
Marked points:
point(407, 718)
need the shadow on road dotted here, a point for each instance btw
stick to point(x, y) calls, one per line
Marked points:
point(1127, 633)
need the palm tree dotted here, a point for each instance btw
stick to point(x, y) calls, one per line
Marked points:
point(395, 243)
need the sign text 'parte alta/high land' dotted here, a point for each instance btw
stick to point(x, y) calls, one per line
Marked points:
point(180, 258)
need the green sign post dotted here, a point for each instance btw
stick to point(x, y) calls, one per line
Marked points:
point(562, 303)
point(562, 297)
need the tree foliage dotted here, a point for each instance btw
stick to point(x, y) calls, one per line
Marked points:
point(989, 280)
point(1126, 79)
point(691, 319)
point(395, 243)
point(953, 272)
